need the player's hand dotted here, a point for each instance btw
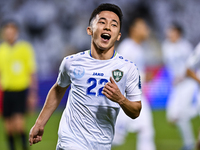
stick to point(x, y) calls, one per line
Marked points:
point(35, 135)
point(112, 91)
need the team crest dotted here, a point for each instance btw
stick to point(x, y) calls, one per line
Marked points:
point(117, 75)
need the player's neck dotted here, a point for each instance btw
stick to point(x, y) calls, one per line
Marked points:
point(102, 54)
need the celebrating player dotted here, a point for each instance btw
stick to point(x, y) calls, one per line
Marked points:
point(193, 66)
point(99, 78)
point(179, 107)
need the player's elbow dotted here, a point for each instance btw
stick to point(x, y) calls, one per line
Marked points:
point(136, 114)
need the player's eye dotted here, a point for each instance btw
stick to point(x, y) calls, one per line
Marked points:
point(101, 22)
point(114, 25)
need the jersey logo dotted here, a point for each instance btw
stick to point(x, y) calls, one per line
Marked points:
point(79, 72)
point(97, 74)
point(117, 75)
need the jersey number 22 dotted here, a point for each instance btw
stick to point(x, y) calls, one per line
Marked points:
point(94, 84)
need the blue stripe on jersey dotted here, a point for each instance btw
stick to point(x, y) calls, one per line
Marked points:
point(110, 58)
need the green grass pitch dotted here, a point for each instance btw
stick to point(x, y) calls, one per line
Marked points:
point(166, 136)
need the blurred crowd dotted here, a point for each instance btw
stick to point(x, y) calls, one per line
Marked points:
point(57, 28)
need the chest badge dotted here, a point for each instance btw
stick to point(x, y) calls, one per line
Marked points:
point(79, 72)
point(117, 74)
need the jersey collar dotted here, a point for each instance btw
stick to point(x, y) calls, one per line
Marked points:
point(114, 54)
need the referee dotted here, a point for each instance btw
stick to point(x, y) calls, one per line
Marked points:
point(18, 82)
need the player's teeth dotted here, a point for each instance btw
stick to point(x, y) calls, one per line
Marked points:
point(106, 34)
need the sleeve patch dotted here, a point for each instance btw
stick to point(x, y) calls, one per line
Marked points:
point(139, 84)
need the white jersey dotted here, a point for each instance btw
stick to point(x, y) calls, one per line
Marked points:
point(182, 94)
point(175, 57)
point(194, 59)
point(88, 120)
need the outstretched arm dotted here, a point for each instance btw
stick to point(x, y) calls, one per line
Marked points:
point(53, 99)
point(131, 108)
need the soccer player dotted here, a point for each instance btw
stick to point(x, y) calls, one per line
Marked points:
point(179, 106)
point(17, 80)
point(193, 68)
point(131, 48)
point(99, 78)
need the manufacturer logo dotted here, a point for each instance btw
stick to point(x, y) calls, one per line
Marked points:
point(117, 75)
point(79, 72)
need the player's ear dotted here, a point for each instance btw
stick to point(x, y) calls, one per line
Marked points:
point(89, 30)
point(119, 36)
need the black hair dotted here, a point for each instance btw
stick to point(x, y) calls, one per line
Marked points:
point(139, 10)
point(178, 27)
point(107, 7)
point(135, 19)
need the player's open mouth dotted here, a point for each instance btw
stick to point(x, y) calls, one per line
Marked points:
point(106, 36)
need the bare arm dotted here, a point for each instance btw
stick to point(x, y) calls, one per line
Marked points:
point(53, 99)
point(193, 75)
point(111, 91)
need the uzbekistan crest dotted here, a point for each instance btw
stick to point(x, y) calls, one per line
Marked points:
point(117, 75)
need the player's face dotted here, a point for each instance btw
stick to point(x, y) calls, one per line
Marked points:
point(141, 30)
point(10, 33)
point(173, 35)
point(105, 30)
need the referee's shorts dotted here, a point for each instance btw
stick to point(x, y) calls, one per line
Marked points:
point(14, 102)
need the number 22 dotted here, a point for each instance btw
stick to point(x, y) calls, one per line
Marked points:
point(94, 84)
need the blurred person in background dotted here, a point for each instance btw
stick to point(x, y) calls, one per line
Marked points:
point(17, 81)
point(131, 48)
point(176, 51)
point(193, 71)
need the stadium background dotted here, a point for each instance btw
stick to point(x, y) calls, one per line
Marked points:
point(57, 28)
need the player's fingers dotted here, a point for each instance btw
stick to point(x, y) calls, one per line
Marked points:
point(112, 84)
point(107, 90)
point(108, 87)
point(109, 84)
point(40, 138)
point(37, 139)
point(112, 81)
point(106, 94)
point(30, 139)
point(30, 142)
point(113, 90)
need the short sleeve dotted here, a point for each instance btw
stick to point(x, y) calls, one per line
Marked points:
point(194, 59)
point(63, 79)
point(133, 85)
